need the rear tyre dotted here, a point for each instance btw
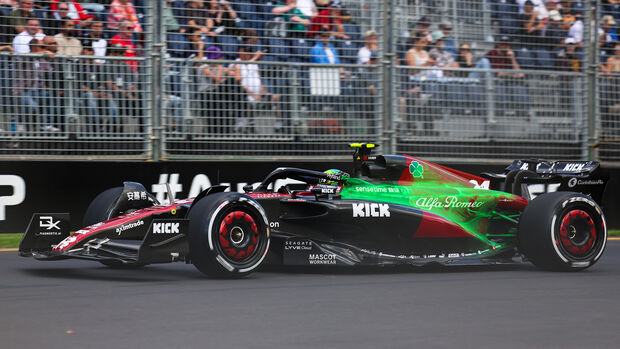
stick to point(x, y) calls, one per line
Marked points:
point(228, 235)
point(562, 231)
point(99, 208)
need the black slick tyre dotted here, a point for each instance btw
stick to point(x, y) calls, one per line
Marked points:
point(562, 231)
point(228, 235)
point(98, 210)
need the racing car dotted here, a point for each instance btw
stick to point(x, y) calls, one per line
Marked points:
point(387, 210)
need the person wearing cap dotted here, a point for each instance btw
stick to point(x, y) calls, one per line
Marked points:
point(442, 58)
point(608, 24)
point(370, 46)
point(503, 57)
point(567, 59)
point(449, 43)
point(324, 52)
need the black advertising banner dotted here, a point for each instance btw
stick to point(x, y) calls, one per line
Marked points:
point(27, 187)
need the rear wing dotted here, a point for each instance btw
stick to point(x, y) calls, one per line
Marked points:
point(585, 177)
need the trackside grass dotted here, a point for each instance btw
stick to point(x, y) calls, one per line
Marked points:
point(12, 240)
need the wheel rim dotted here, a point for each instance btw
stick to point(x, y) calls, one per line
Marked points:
point(239, 236)
point(577, 234)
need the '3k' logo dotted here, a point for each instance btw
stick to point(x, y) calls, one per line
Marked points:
point(48, 223)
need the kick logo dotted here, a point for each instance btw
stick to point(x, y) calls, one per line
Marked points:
point(165, 228)
point(574, 167)
point(371, 210)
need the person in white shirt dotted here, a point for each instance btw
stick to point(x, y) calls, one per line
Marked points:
point(363, 55)
point(249, 76)
point(21, 42)
point(307, 7)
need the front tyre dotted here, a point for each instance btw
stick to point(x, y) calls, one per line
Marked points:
point(228, 235)
point(562, 231)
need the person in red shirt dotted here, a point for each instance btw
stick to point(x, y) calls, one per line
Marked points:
point(329, 18)
point(124, 37)
point(503, 57)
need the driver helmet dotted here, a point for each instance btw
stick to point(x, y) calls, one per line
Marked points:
point(335, 172)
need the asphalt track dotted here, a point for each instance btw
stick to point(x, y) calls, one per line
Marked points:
point(80, 304)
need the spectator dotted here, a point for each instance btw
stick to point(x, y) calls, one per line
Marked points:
point(91, 91)
point(225, 21)
point(324, 52)
point(328, 18)
point(119, 87)
point(197, 46)
point(32, 29)
point(224, 17)
point(612, 8)
point(442, 58)
point(123, 10)
point(125, 38)
point(171, 23)
point(50, 46)
point(417, 56)
point(575, 30)
point(612, 66)
point(530, 34)
point(369, 87)
point(567, 59)
point(75, 11)
point(96, 41)
point(57, 19)
point(211, 76)
point(195, 15)
point(296, 21)
point(449, 43)
point(336, 10)
point(19, 16)
point(249, 76)
point(307, 7)
point(32, 88)
point(608, 25)
point(503, 57)
point(370, 46)
point(67, 43)
point(465, 59)
point(251, 40)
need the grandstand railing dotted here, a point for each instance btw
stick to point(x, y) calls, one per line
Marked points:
point(270, 101)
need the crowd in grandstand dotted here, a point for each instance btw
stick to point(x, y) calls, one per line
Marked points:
point(530, 34)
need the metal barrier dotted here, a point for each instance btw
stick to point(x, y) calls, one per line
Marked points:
point(448, 80)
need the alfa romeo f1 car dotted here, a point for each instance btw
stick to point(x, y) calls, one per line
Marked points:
point(391, 210)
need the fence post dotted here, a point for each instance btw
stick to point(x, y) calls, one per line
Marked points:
point(154, 72)
point(592, 56)
point(387, 66)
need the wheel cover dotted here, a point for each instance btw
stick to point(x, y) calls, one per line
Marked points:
point(578, 234)
point(239, 236)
